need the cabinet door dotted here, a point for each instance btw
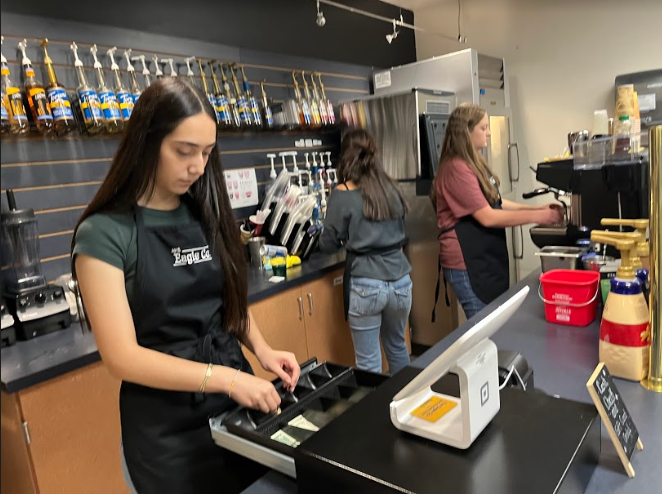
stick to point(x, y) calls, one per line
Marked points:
point(17, 472)
point(281, 321)
point(74, 427)
point(327, 332)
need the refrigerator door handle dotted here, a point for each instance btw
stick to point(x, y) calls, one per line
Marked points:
point(513, 179)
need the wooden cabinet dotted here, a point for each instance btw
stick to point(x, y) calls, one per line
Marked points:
point(281, 321)
point(328, 334)
point(309, 321)
point(63, 436)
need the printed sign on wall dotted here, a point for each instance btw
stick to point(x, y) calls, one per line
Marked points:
point(242, 187)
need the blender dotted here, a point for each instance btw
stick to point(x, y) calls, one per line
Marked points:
point(8, 331)
point(37, 307)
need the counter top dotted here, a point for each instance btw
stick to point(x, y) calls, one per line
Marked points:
point(563, 358)
point(259, 286)
point(28, 363)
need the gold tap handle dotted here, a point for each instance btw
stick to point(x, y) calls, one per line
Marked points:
point(635, 237)
point(626, 247)
point(636, 224)
point(640, 225)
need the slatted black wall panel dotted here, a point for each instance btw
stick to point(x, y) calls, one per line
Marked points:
point(58, 177)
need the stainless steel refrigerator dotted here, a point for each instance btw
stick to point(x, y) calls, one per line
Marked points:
point(407, 115)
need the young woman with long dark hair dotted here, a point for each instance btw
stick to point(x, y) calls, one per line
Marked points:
point(162, 273)
point(365, 214)
point(471, 214)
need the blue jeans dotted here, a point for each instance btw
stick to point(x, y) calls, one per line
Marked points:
point(379, 308)
point(459, 281)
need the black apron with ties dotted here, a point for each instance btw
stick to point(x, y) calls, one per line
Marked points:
point(485, 253)
point(178, 310)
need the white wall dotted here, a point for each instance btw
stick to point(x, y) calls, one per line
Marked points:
point(562, 57)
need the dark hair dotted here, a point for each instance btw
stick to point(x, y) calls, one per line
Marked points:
point(132, 175)
point(360, 164)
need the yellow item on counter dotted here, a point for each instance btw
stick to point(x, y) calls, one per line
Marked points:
point(624, 330)
point(288, 262)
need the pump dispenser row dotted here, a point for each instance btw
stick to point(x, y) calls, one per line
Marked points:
point(107, 106)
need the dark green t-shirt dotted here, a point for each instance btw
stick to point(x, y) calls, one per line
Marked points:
point(112, 237)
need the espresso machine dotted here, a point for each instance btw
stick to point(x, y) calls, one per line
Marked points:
point(595, 183)
point(36, 307)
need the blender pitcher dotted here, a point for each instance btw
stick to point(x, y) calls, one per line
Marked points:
point(20, 250)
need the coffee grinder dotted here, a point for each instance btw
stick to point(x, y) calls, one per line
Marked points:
point(37, 307)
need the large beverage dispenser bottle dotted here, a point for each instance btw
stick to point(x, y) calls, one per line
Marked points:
point(624, 330)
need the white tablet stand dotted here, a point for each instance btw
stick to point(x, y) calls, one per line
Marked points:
point(473, 357)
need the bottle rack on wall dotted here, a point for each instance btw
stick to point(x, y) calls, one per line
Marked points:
point(277, 79)
point(57, 177)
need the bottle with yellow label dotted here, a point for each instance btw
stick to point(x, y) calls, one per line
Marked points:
point(14, 118)
point(58, 100)
point(37, 99)
point(109, 105)
point(233, 106)
point(624, 331)
point(88, 98)
point(220, 101)
point(124, 97)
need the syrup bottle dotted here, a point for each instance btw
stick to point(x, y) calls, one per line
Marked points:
point(37, 99)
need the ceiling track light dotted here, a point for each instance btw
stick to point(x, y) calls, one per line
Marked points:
point(321, 20)
point(392, 36)
point(378, 17)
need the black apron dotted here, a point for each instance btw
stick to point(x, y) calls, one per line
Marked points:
point(485, 253)
point(177, 309)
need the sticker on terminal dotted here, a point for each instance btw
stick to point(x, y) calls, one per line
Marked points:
point(433, 409)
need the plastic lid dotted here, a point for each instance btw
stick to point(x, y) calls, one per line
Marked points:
point(624, 117)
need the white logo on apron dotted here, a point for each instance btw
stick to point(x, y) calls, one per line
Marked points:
point(195, 255)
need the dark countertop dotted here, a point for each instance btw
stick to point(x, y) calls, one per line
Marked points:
point(28, 363)
point(314, 267)
point(563, 358)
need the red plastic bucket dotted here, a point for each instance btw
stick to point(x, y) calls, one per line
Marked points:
point(570, 296)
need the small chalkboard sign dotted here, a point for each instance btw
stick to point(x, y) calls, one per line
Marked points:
point(614, 415)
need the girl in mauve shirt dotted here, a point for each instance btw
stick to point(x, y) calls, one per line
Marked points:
point(472, 216)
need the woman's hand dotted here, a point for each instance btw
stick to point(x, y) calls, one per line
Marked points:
point(552, 205)
point(254, 392)
point(283, 364)
point(551, 214)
